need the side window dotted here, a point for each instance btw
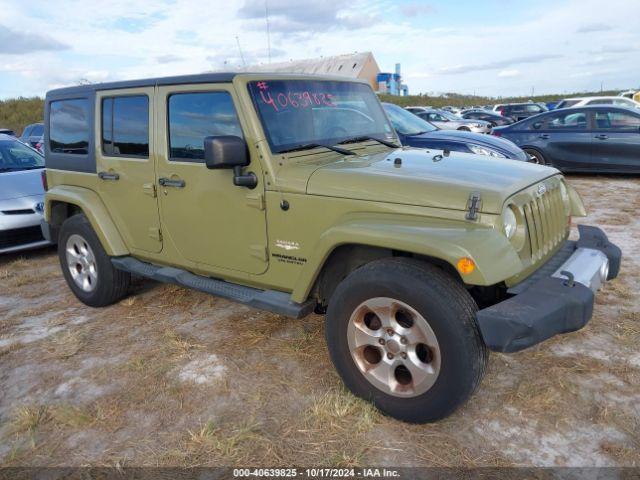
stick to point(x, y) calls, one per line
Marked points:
point(600, 101)
point(194, 116)
point(37, 131)
point(125, 126)
point(69, 126)
point(533, 108)
point(27, 132)
point(567, 120)
point(617, 121)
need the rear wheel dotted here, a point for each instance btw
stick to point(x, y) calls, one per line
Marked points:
point(86, 266)
point(403, 334)
point(539, 158)
point(464, 129)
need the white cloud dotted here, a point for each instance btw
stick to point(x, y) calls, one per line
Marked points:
point(509, 73)
point(170, 37)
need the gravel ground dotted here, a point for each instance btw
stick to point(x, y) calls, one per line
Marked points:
point(172, 377)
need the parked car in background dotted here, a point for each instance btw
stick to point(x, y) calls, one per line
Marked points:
point(413, 131)
point(448, 121)
point(6, 131)
point(627, 94)
point(32, 134)
point(21, 196)
point(494, 119)
point(519, 111)
point(584, 101)
point(602, 138)
point(449, 108)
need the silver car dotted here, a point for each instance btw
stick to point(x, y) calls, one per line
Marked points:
point(448, 121)
point(21, 196)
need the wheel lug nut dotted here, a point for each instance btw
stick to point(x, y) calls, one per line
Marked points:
point(403, 340)
point(389, 332)
point(390, 355)
point(381, 341)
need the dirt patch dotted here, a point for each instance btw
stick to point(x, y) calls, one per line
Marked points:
point(175, 377)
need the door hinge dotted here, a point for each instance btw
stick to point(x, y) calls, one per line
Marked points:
point(255, 200)
point(259, 252)
point(473, 206)
point(155, 233)
point(150, 189)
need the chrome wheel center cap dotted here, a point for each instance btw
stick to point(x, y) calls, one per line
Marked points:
point(393, 346)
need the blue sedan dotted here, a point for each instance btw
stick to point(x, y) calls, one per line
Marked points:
point(416, 132)
point(599, 138)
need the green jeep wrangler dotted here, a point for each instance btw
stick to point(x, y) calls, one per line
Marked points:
point(290, 193)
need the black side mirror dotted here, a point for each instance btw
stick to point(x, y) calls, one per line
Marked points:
point(225, 152)
point(229, 151)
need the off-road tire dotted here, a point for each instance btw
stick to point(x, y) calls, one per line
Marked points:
point(111, 285)
point(449, 310)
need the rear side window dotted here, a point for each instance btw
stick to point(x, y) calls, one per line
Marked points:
point(125, 126)
point(194, 116)
point(617, 121)
point(69, 126)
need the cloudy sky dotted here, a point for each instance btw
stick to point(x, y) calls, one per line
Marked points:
point(490, 47)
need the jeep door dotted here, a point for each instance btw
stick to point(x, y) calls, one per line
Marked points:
point(209, 221)
point(125, 164)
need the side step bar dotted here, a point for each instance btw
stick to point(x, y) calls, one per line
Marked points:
point(270, 300)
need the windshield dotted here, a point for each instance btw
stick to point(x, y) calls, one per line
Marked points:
point(448, 115)
point(406, 123)
point(17, 156)
point(295, 113)
point(567, 103)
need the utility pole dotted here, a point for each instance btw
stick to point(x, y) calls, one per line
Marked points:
point(244, 64)
point(266, 15)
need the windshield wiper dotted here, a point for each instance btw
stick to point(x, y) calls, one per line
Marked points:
point(310, 146)
point(367, 137)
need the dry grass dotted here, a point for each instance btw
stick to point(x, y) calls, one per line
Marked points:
point(28, 418)
point(66, 344)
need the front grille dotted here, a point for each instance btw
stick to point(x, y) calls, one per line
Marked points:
point(20, 236)
point(546, 222)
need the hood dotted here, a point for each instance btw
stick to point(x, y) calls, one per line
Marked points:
point(502, 145)
point(22, 183)
point(419, 180)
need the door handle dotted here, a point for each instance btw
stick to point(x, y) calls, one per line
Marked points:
point(167, 182)
point(602, 136)
point(108, 176)
point(544, 136)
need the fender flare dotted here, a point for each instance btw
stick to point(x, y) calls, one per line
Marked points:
point(97, 214)
point(447, 240)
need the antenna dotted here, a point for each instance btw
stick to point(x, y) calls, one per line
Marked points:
point(266, 16)
point(244, 64)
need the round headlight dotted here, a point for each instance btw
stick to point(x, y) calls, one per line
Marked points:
point(509, 222)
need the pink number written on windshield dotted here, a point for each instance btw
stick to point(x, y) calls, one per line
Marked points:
point(304, 99)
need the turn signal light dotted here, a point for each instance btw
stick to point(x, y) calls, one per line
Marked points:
point(466, 265)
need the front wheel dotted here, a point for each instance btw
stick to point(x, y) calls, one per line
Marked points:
point(86, 266)
point(402, 334)
point(537, 156)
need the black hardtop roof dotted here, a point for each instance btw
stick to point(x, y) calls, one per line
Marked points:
point(221, 77)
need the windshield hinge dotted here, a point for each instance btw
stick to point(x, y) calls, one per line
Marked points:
point(473, 206)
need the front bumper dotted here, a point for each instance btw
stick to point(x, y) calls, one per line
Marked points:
point(557, 298)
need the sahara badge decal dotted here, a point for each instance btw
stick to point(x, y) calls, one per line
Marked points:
point(287, 245)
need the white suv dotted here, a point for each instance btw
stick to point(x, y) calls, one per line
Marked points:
point(581, 102)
